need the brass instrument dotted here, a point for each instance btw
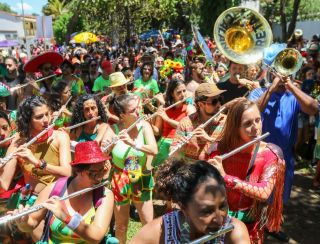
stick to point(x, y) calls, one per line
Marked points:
point(241, 34)
point(287, 62)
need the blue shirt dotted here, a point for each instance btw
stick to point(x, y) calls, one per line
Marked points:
point(280, 118)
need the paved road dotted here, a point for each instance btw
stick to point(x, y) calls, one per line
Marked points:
point(302, 214)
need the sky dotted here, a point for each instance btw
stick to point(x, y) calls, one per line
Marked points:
point(30, 6)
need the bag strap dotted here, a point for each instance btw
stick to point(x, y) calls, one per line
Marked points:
point(98, 194)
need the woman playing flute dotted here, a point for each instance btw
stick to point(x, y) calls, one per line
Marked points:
point(167, 121)
point(254, 177)
point(199, 190)
point(87, 107)
point(131, 157)
point(84, 218)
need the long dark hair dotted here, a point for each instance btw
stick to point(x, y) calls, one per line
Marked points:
point(55, 96)
point(173, 84)
point(145, 64)
point(178, 180)
point(77, 114)
point(24, 114)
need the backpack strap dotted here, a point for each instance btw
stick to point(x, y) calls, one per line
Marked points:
point(98, 194)
point(59, 187)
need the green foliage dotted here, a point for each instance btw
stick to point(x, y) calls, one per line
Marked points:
point(55, 8)
point(60, 26)
point(5, 7)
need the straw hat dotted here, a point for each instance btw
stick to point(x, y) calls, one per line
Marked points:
point(117, 79)
point(298, 32)
point(88, 152)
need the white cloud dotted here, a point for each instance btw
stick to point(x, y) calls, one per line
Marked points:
point(26, 7)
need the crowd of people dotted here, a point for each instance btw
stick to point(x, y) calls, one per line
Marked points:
point(154, 119)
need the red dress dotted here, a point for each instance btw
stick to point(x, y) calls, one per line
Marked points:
point(249, 191)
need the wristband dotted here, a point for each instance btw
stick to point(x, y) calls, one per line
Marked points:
point(75, 221)
point(68, 219)
point(43, 164)
point(37, 165)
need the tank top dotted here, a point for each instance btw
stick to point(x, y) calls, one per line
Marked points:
point(123, 152)
point(174, 232)
point(87, 137)
point(175, 113)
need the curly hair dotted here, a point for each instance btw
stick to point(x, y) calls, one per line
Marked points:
point(173, 84)
point(78, 116)
point(4, 116)
point(55, 96)
point(178, 180)
point(147, 64)
point(24, 114)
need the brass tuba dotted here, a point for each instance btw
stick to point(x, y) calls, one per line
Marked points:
point(287, 62)
point(242, 34)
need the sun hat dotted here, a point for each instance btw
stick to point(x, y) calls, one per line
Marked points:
point(117, 79)
point(208, 90)
point(54, 58)
point(88, 152)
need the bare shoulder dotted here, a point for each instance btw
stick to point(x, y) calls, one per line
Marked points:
point(150, 233)
point(239, 235)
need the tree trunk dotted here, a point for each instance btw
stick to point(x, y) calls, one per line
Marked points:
point(294, 17)
point(128, 24)
point(72, 26)
point(283, 21)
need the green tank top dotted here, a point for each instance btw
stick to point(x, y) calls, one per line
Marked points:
point(124, 155)
point(86, 137)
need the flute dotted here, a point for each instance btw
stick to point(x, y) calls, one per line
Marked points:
point(6, 159)
point(41, 79)
point(213, 235)
point(167, 108)
point(180, 145)
point(82, 123)
point(116, 139)
point(244, 146)
point(60, 110)
point(7, 139)
point(8, 218)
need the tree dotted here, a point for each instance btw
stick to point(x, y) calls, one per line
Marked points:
point(6, 8)
point(55, 8)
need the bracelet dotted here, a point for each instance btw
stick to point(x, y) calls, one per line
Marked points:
point(38, 164)
point(75, 221)
point(43, 164)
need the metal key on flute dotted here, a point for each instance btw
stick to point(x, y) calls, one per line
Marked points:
point(8, 218)
point(180, 145)
point(213, 235)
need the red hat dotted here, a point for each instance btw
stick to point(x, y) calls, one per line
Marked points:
point(54, 58)
point(106, 66)
point(88, 152)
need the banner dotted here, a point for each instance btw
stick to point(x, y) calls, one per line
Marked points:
point(44, 27)
point(202, 43)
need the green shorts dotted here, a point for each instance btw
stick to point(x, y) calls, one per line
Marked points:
point(125, 191)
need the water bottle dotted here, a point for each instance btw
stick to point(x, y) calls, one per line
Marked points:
point(25, 192)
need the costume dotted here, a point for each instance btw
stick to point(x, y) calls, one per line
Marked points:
point(196, 149)
point(128, 180)
point(175, 113)
point(280, 118)
point(176, 229)
point(244, 178)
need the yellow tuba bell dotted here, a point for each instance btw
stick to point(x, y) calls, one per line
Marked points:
point(242, 34)
point(287, 62)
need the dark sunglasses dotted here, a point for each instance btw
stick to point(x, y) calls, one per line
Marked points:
point(214, 101)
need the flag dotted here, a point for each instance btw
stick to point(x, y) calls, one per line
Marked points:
point(202, 43)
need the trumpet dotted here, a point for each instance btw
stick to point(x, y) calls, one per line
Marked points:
point(9, 218)
point(180, 145)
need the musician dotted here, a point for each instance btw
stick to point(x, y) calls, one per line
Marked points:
point(200, 192)
point(61, 93)
point(75, 83)
point(167, 121)
point(253, 174)
point(131, 157)
point(5, 132)
point(84, 218)
point(208, 100)
point(88, 106)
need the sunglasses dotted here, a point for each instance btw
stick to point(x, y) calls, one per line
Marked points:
point(214, 101)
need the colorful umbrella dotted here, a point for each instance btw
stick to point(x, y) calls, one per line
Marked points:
point(85, 37)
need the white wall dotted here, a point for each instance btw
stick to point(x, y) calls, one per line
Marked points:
point(309, 28)
point(10, 24)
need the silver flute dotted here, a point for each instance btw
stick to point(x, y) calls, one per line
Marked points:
point(191, 134)
point(6, 159)
point(61, 110)
point(7, 218)
point(116, 138)
point(213, 235)
point(82, 123)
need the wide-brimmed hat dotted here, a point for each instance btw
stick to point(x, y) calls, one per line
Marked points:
point(88, 152)
point(117, 79)
point(298, 32)
point(208, 90)
point(54, 58)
